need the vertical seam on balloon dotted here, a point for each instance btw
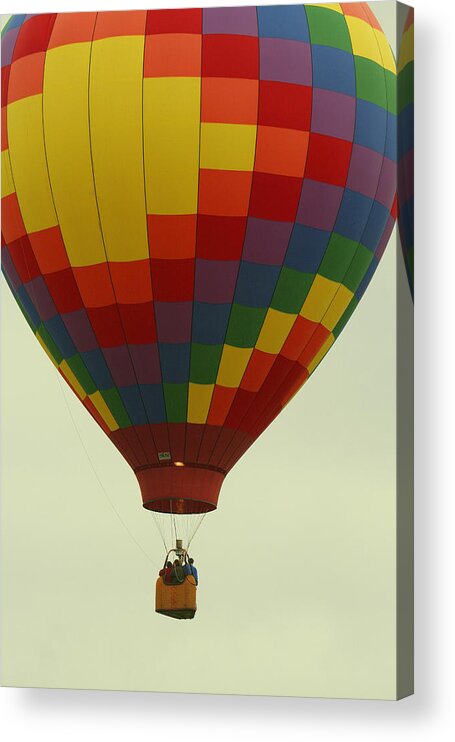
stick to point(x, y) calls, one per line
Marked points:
point(252, 401)
point(15, 294)
point(8, 150)
point(58, 224)
point(347, 270)
point(24, 255)
point(246, 433)
point(148, 246)
point(133, 426)
point(195, 241)
point(378, 183)
point(374, 199)
point(243, 245)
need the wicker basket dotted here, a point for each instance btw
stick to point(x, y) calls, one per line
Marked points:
point(176, 601)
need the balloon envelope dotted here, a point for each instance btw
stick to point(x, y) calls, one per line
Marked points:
point(405, 98)
point(194, 202)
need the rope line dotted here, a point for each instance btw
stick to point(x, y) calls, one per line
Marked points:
point(99, 480)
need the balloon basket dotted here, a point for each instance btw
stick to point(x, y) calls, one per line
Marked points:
point(176, 601)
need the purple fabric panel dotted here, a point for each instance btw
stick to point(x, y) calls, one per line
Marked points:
point(241, 21)
point(319, 204)
point(285, 61)
point(333, 114)
point(10, 270)
point(173, 321)
point(119, 363)
point(41, 298)
point(80, 330)
point(387, 185)
point(364, 170)
point(146, 362)
point(266, 241)
point(8, 44)
point(215, 280)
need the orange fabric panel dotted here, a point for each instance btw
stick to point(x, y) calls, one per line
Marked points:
point(224, 193)
point(172, 237)
point(229, 100)
point(173, 55)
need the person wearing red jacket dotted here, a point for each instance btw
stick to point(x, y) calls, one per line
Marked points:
point(165, 573)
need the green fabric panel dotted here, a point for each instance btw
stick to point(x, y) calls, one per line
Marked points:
point(337, 258)
point(327, 27)
point(176, 400)
point(49, 343)
point(358, 268)
point(391, 86)
point(370, 81)
point(291, 290)
point(345, 316)
point(116, 406)
point(405, 87)
point(81, 373)
point(245, 325)
point(205, 360)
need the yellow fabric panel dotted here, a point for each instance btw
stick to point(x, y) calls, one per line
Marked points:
point(228, 146)
point(233, 364)
point(406, 49)
point(387, 58)
point(67, 139)
point(199, 398)
point(7, 175)
point(68, 374)
point(104, 410)
point(117, 148)
point(171, 144)
point(337, 307)
point(277, 326)
point(318, 299)
point(28, 163)
point(363, 39)
point(320, 354)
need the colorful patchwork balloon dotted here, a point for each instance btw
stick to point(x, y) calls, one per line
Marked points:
point(405, 135)
point(194, 202)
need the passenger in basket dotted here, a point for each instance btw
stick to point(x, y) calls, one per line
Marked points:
point(190, 569)
point(165, 573)
point(177, 575)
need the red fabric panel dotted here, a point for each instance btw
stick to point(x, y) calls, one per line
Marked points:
point(177, 441)
point(230, 56)
point(186, 20)
point(193, 438)
point(179, 489)
point(34, 35)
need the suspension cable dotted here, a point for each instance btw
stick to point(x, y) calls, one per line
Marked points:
point(89, 458)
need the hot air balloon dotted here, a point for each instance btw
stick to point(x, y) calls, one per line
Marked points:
point(405, 139)
point(194, 202)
